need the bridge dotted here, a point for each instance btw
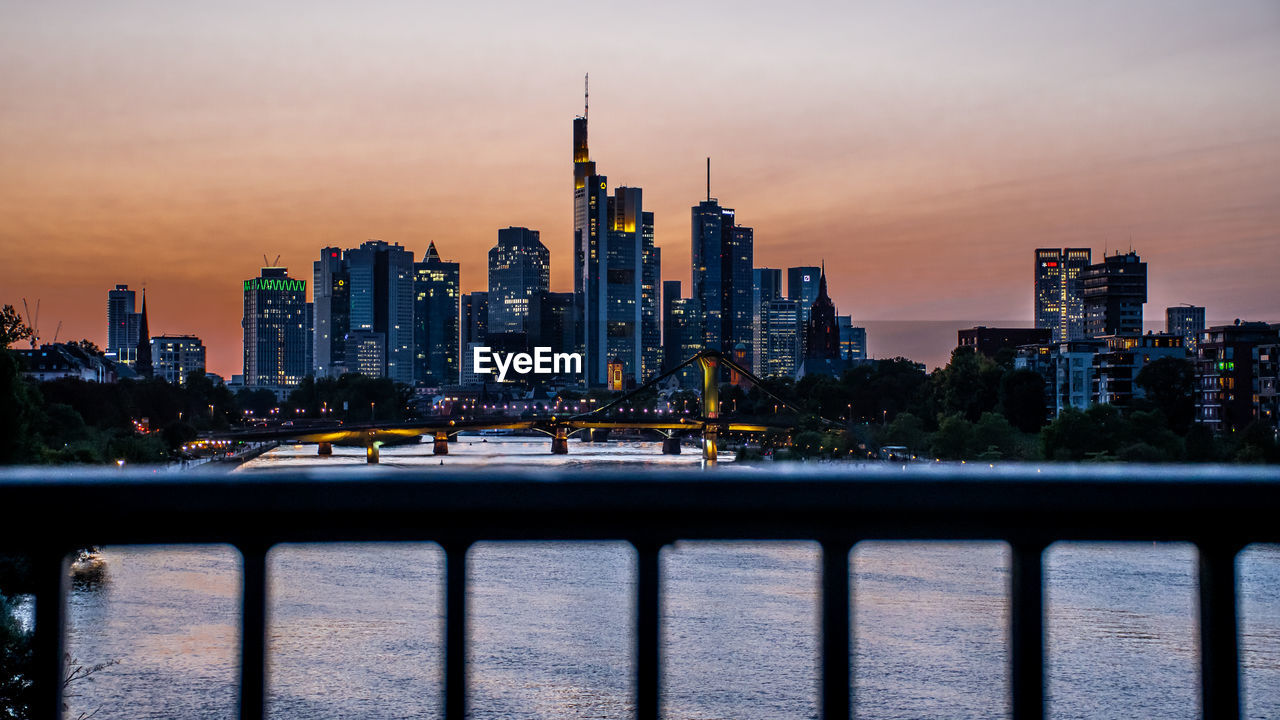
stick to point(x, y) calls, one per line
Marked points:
point(710, 423)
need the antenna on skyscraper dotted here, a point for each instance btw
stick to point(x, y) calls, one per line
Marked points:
point(586, 96)
point(708, 179)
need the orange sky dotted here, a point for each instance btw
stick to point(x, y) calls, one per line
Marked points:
point(922, 149)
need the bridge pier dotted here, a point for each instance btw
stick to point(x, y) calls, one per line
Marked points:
point(441, 446)
point(325, 449)
point(671, 445)
point(371, 453)
point(710, 407)
point(560, 441)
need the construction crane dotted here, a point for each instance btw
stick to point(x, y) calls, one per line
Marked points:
point(56, 331)
point(34, 324)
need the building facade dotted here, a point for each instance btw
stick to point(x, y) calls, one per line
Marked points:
point(519, 278)
point(122, 324)
point(367, 290)
point(723, 265)
point(1226, 400)
point(1187, 321)
point(802, 286)
point(275, 332)
point(1114, 292)
point(1059, 298)
point(780, 336)
point(173, 357)
point(766, 285)
point(853, 339)
point(991, 340)
point(435, 318)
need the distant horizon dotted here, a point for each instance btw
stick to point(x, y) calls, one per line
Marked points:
point(922, 155)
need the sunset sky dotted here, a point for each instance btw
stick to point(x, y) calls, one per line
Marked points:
point(922, 149)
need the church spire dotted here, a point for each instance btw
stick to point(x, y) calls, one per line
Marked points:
point(143, 350)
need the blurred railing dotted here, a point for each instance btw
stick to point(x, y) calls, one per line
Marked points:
point(1219, 509)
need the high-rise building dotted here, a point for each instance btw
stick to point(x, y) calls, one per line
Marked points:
point(650, 303)
point(611, 269)
point(435, 317)
point(1187, 321)
point(723, 264)
point(519, 279)
point(558, 331)
point(853, 339)
point(1059, 294)
point(1114, 291)
point(176, 356)
point(802, 286)
point(681, 331)
point(275, 333)
point(475, 318)
point(331, 296)
point(122, 324)
point(369, 290)
point(766, 284)
point(780, 336)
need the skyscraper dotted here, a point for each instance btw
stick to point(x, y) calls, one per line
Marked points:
point(1188, 322)
point(368, 290)
point(766, 284)
point(331, 295)
point(681, 331)
point(802, 286)
point(122, 324)
point(723, 259)
point(275, 333)
point(780, 336)
point(853, 339)
point(475, 324)
point(650, 304)
point(519, 279)
point(1114, 291)
point(435, 317)
point(612, 264)
point(1059, 294)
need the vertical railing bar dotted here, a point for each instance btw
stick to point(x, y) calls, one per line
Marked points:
point(648, 668)
point(50, 571)
point(1219, 639)
point(836, 642)
point(455, 631)
point(1026, 630)
point(253, 632)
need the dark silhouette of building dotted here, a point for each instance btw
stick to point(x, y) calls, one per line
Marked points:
point(143, 364)
point(990, 341)
point(1225, 373)
point(822, 334)
point(802, 286)
point(435, 317)
point(1114, 291)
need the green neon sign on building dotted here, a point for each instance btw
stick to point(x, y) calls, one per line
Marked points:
point(288, 284)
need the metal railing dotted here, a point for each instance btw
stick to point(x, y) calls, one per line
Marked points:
point(1219, 509)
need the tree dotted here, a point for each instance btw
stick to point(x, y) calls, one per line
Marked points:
point(12, 328)
point(1169, 384)
point(1022, 399)
point(953, 439)
point(908, 431)
point(88, 346)
point(968, 385)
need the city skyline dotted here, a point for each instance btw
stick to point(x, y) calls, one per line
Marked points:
point(923, 168)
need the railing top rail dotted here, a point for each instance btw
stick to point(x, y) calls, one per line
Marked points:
point(1019, 503)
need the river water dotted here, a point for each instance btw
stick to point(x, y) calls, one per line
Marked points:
point(355, 630)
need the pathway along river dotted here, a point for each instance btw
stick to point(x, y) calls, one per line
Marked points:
point(355, 630)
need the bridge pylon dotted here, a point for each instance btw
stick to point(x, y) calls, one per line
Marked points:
point(441, 446)
point(560, 441)
point(710, 364)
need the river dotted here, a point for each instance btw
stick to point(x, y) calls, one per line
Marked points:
point(355, 630)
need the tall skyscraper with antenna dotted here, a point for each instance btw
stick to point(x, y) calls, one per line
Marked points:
point(614, 261)
point(723, 261)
